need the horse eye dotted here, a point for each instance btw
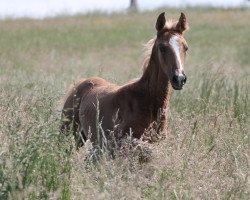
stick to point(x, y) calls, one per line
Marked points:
point(186, 48)
point(163, 48)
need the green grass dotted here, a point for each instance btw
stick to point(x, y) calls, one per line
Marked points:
point(206, 152)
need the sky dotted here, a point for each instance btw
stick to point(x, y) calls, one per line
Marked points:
point(45, 8)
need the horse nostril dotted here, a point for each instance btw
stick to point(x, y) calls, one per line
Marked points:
point(184, 80)
point(175, 79)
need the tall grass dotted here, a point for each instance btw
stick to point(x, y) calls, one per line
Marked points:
point(205, 154)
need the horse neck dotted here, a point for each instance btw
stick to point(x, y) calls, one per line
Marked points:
point(156, 83)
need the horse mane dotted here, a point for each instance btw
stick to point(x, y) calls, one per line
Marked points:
point(147, 52)
point(149, 45)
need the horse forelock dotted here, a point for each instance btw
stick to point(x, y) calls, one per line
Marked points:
point(170, 25)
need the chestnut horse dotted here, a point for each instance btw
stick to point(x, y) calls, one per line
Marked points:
point(134, 107)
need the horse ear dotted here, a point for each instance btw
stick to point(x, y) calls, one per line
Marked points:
point(160, 23)
point(182, 24)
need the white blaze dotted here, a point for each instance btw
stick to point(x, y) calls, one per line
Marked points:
point(175, 45)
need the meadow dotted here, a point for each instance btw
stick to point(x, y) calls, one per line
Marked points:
point(206, 152)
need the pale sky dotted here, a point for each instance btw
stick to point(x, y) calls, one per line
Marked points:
point(43, 8)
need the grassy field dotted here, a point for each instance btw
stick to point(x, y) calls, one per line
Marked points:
point(206, 154)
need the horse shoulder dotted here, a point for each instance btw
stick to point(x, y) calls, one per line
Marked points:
point(133, 114)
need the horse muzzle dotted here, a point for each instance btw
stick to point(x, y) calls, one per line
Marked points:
point(178, 81)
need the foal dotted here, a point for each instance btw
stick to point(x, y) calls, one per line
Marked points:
point(135, 106)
